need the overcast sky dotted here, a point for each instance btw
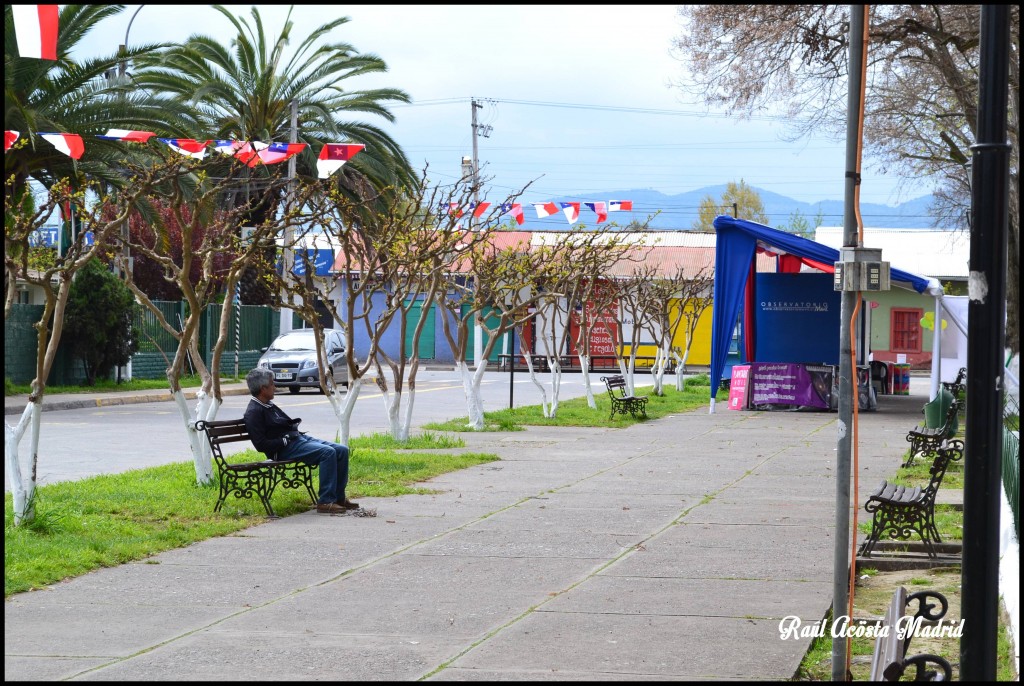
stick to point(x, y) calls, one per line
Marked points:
point(578, 98)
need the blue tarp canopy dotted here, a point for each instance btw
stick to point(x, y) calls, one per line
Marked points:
point(737, 243)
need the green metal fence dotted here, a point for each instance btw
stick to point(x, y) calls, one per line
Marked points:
point(1011, 458)
point(250, 329)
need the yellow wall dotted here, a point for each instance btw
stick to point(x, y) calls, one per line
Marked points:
point(700, 349)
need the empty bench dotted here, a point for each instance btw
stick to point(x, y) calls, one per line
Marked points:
point(925, 441)
point(889, 661)
point(252, 479)
point(622, 402)
point(899, 512)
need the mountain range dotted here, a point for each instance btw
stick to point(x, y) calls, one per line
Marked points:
point(680, 211)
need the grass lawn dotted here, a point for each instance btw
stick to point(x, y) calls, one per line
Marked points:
point(576, 412)
point(107, 520)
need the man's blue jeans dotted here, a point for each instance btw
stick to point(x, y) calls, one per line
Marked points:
point(333, 461)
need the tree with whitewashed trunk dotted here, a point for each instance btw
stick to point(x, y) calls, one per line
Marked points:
point(417, 265)
point(484, 282)
point(638, 309)
point(693, 299)
point(663, 325)
point(194, 203)
point(23, 217)
point(571, 264)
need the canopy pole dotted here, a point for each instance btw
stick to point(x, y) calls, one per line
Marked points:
point(936, 348)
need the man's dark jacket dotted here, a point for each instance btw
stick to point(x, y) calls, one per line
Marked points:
point(267, 427)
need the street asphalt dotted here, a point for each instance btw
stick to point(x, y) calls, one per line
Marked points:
point(669, 550)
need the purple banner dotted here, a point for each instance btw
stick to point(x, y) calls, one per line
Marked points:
point(781, 383)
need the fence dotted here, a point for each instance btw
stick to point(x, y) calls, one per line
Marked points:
point(259, 326)
point(253, 329)
point(1011, 458)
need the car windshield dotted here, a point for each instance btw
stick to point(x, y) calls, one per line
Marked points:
point(298, 341)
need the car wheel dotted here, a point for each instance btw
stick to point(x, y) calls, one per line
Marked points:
point(293, 389)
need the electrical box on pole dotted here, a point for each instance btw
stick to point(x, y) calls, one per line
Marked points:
point(861, 269)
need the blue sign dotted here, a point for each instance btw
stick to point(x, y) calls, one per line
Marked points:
point(49, 236)
point(796, 318)
point(322, 260)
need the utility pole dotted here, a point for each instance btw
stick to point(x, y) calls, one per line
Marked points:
point(287, 254)
point(485, 131)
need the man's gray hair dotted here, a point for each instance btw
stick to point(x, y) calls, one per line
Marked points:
point(258, 378)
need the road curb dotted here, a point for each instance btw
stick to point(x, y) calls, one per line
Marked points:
point(111, 400)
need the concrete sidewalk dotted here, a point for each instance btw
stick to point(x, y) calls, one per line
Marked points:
point(668, 550)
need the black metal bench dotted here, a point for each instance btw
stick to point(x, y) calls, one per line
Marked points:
point(252, 479)
point(622, 403)
point(899, 512)
point(925, 441)
point(889, 661)
point(956, 387)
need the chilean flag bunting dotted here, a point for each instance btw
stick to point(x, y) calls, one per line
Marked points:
point(187, 146)
point(128, 136)
point(516, 210)
point(599, 210)
point(572, 211)
point(68, 143)
point(545, 209)
point(617, 205)
point(334, 155)
point(35, 28)
point(10, 138)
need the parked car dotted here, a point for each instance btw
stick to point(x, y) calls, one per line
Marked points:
point(292, 358)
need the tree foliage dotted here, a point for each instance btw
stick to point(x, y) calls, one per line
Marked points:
point(921, 101)
point(738, 200)
point(98, 321)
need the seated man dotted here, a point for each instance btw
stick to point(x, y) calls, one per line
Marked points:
point(277, 436)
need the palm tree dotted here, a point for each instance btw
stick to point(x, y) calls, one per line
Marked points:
point(244, 91)
point(69, 96)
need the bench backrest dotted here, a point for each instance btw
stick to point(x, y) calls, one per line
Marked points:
point(948, 452)
point(889, 649)
point(225, 431)
point(889, 660)
point(615, 383)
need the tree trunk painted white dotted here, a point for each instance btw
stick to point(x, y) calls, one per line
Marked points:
point(343, 406)
point(23, 488)
point(398, 426)
point(658, 370)
point(206, 410)
point(406, 426)
point(680, 376)
point(585, 373)
point(471, 386)
point(537, 382)
point(556, 385)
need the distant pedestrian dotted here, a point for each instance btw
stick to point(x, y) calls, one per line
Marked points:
point(277, 435)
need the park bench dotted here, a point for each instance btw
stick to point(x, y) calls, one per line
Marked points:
point(252, 479)
point(889, 661)
point(901, 511)
point(956, 387)
point(621, 401)
point(925, 440)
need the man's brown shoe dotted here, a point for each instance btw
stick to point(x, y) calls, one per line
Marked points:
point(330, 508)
point(349, 505)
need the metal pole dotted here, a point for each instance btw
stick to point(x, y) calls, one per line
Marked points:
point(287, 255)
point(979, 578)
point(474, 105)
point(841, 553)
point(238, 324)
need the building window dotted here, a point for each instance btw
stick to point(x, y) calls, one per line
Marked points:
point(906, 331)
